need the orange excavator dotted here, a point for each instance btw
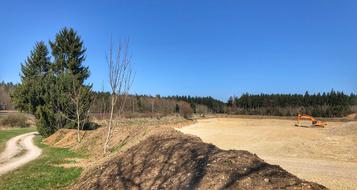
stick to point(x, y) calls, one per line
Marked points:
point(315, 122)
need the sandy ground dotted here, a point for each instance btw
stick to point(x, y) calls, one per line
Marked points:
point(19, 151)
point(313, 154)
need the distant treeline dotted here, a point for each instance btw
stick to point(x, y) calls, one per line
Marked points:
point(145, 105)
point(140, 105)
point(210, 104)
point(331, 104)
point(5, 100)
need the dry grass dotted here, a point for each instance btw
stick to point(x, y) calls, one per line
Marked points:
point(126, 133)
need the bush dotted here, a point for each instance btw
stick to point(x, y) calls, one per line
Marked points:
point(91, 126)
point(15, 120)
point(186, 110)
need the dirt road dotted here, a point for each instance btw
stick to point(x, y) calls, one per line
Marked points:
point(317, 155)
point(19, 151)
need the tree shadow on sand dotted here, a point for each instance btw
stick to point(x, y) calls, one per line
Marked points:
point(179, 161)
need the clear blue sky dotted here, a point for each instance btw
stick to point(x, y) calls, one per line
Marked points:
point(185, 47)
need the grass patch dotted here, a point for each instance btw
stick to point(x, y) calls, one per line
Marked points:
point(44, 173)
point(7, 134)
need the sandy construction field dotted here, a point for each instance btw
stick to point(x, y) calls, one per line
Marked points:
point(327, 156)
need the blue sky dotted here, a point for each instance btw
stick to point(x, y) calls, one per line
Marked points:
point(185, 47)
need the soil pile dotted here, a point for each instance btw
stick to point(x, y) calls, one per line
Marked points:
point(126, 134)
point(172, 160)
point(352, 116)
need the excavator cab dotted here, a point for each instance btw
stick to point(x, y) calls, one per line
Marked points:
point(315, 122)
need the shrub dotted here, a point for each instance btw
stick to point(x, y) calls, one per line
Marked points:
point(15, 120)
point(91, 126)
point(186, 110)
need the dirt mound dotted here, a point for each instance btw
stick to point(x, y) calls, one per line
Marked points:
point(349, 128)
point(126, 133)
point(172, 160)
point(62, 138)
point(92, 142)
point(352, 116)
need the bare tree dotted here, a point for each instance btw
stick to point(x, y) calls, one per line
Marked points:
point(5, 99)
point(201, 109)
point(102, 106)
point(120, 80)
point(81, 99)
point(152, 106)
point(133, 102)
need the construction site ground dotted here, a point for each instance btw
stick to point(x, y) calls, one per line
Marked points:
point(151, 154)
point(327, 155)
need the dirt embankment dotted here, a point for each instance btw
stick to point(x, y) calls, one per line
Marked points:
point(126, 134)
point(172, 160)
point(153, 155)
point(352, 116)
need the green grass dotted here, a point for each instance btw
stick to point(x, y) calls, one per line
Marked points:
point(44, 173)
point(7, 134)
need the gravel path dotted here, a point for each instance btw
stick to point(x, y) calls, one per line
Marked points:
point(19, 151)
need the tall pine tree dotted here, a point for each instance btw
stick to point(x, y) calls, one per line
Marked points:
point(69, 54)
point(28, 95)
point(55, 92)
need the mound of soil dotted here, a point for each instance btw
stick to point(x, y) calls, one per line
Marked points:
point(172, 160)
point(349, 128)
point(352, 116)
point(125, 135)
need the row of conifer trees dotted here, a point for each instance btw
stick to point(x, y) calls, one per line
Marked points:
point(53, 84)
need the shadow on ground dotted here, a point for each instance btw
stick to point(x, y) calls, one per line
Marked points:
point(176, 161)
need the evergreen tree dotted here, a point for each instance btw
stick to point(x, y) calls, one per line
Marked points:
point(47, 114)
point(69, 54)
point(69, 75)
point(28, 95)
point(37, 64)
point(55, 92)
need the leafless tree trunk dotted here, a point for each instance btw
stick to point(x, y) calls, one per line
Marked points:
point(5, 99)
point(133, 104)
point(103, 107)
point(152, 107)
point(120, 80)
point(81, 98)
